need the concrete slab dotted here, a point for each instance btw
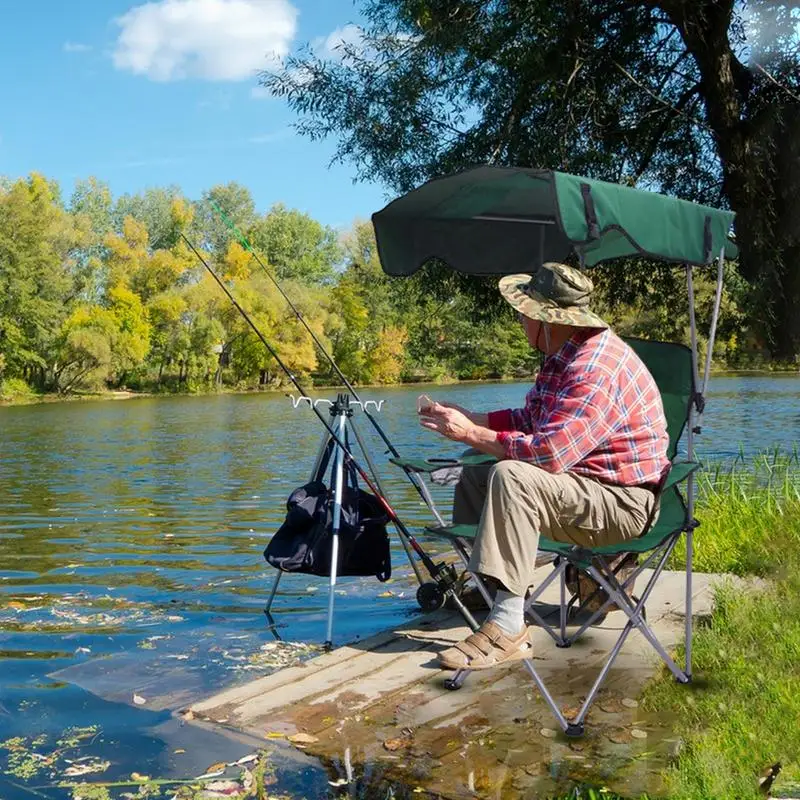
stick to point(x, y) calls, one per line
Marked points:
point(383, 701)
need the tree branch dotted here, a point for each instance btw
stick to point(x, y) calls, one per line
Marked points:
point(658, 97)
point(774, 80)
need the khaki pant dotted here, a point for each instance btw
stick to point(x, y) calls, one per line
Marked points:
point(514, 503)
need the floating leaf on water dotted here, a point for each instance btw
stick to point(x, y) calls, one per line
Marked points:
point(179, 751)
point(135, 776)
point(610, 704)
point(638, 733)
point(139, 700)
point(302, 738)
point(274, 735)
point(620, 736)
point(397, 744)
point(386, 594)
point(246, 759)
point(206, 775)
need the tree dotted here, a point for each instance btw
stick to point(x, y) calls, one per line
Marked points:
point(700, 98)
point(296, 245)
point(209, 229)
point(91, 208)
point(37, 240)
point(161, 212)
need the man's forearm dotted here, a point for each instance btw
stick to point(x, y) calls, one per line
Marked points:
point(485, 440)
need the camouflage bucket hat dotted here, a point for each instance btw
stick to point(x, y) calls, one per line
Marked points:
point(555, 293)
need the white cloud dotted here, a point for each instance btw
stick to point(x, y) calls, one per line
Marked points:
point(220, 40)
point(76, 47)
point(334, 43)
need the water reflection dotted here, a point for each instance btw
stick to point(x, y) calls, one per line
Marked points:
point(136, 529)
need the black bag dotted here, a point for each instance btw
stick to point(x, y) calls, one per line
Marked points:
point(304, 542)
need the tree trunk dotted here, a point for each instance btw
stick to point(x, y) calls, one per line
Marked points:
point(759, 154)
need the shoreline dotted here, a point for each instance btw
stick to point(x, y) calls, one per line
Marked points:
point(123, 394)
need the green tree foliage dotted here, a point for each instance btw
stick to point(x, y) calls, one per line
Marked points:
point(699, 98)
point(296, 245)
point(89, 301)
point(37, 238)
point(154, 209)
point(236, 202)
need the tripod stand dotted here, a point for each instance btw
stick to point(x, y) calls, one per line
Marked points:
point(342, 423)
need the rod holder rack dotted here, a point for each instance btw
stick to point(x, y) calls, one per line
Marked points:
point(364, 405)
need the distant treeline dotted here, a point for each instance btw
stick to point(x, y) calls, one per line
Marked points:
point(102, 293)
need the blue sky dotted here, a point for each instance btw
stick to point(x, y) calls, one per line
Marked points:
point(149, 94)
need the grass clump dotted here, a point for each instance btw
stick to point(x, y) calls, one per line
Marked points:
point(749, 513)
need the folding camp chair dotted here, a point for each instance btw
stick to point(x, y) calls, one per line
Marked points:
point(672, 368)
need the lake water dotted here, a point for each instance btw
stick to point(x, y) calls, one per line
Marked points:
point(136, 529)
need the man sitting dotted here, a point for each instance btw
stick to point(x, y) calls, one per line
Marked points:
point(580, 463)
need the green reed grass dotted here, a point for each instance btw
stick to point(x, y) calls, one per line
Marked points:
point(749, 513)
point(742, 712)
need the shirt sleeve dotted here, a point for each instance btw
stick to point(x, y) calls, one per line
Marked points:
point(515, 419)
point(583, 416)
point(500, 420)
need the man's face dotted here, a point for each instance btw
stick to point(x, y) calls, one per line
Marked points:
point(533, 329)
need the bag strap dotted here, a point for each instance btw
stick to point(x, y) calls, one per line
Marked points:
point(326, 458)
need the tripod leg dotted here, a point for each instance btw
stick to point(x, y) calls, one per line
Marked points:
point(335, 522)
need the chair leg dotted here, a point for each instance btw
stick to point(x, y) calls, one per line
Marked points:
point(631, 578)
point(562, 611)
point(558, 572)
point(688, 634)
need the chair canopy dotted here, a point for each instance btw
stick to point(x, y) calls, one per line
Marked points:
point(505, 220)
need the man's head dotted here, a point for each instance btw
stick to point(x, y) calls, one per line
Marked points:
point(552, 302)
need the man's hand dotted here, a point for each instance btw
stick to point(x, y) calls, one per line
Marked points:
point(475, 417)
point(451, 421)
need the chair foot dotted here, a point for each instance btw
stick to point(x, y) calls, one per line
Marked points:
point(684, 679)
point(565, 644)
point(457, 681)
point(574, 731)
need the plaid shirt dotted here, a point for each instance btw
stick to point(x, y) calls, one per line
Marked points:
point(594, 410)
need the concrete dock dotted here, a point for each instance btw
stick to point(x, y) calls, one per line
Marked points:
point(379, 708)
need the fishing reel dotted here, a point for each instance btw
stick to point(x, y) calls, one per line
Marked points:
point(432, 594)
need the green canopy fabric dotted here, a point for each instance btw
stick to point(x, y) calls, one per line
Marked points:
point(504, 220)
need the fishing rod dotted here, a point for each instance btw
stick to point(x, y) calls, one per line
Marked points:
point(445, 575)
point(342, 377)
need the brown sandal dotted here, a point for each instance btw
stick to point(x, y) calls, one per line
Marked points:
point(488, 647)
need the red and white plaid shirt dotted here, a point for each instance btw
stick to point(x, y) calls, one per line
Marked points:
point(594, 410)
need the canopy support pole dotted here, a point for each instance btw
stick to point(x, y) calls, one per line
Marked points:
point(690, 489)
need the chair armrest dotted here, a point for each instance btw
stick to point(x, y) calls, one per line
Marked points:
point(432, 464)
point(679, 472)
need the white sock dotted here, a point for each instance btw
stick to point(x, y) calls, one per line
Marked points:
point(508, 612)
